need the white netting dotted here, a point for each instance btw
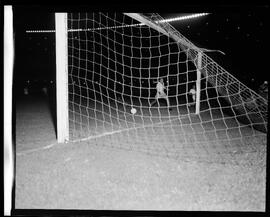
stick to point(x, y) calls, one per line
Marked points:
point(114, 64)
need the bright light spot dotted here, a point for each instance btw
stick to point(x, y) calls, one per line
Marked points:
point(188, 17)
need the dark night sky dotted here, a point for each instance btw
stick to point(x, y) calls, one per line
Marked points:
point(34, 53)
point(242, 34)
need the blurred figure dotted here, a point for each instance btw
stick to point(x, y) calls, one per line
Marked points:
point(192, 92)
point(160, 87)
point(25, 91)
point(26, 88)
point(252, 84)
point(250, 102)
point(263, 90)
point(45, 91)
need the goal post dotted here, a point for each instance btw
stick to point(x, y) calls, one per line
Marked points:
point(8, 84)
point(198, 83)
point(62, 76)
point(183, 43)
point(107, 65)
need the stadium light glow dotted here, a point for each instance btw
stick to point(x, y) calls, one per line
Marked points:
point(187, 17)
point(168, 20)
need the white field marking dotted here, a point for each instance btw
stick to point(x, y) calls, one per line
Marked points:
point(93, 137)
point(67, 159)
point(121, 130)
point(36, 149)
point(89, 138)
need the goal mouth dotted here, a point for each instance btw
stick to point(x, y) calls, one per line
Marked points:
point(116, 62)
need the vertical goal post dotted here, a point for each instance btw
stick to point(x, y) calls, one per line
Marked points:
point(198, 83)
point(114, 54)
point(8, 84)
point(61, 44)
point(198, 64)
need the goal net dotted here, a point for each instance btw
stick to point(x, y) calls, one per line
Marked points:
point(115, 63)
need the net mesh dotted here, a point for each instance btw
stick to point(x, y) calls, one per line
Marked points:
point(115, 63)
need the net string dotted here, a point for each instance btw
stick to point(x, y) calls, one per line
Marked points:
point(113, 69)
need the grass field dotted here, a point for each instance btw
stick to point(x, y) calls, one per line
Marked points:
point(118, 172)
point(212, 136)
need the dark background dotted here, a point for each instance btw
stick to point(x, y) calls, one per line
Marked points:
point(240, 32)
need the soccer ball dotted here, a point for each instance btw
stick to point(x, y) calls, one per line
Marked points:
point(133, 111)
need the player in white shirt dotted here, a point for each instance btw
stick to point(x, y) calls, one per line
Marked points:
point(160, 93)
point(192, 92)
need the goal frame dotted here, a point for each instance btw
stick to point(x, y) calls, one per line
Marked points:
point(61, 37)
point(61, 45)
point(9, 158)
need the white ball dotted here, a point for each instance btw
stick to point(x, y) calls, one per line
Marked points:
point(133, 111)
